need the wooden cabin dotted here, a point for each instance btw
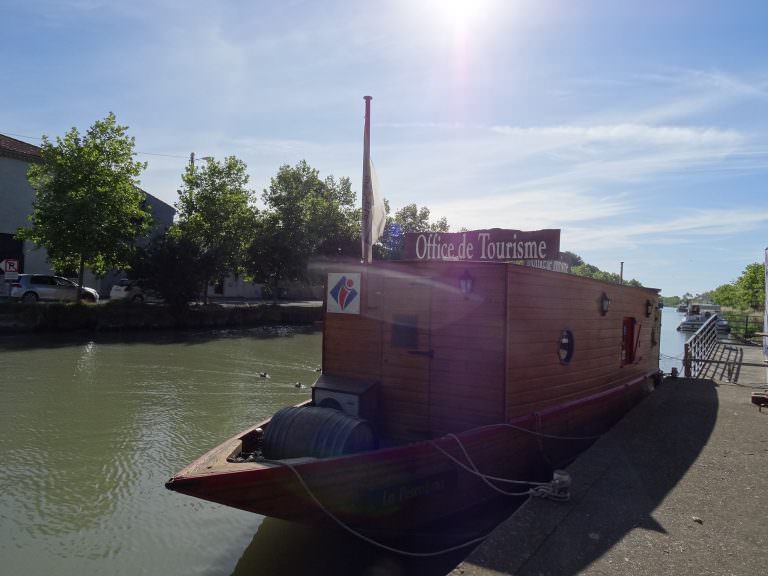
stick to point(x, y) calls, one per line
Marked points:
point(451, 346)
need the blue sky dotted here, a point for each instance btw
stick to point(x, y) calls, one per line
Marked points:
point(638, 128)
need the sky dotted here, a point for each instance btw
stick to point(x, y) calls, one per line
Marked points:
point(637, 128)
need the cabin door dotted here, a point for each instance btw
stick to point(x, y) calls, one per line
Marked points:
point(406, 356)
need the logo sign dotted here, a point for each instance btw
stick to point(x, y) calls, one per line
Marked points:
point(495, 244)
point(343, 293)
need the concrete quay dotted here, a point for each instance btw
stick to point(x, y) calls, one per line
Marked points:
point(679, 486)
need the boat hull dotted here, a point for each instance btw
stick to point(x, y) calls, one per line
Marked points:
point(397, 490)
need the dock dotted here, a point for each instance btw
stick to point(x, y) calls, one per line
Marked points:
point(677, 487)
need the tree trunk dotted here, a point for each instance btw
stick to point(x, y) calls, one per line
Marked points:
point(80, 277)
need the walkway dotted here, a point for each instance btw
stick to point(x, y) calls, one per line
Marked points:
point(736, 364)
point(677, 487)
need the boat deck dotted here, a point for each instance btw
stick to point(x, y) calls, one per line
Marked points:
point(677, 487)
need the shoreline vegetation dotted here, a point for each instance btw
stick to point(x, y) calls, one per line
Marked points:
point(117, 316)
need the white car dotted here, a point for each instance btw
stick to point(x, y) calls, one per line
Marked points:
point(127, 289)
point(30, 288)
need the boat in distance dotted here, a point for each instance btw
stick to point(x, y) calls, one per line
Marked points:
point(697, 314)
point(438, 380)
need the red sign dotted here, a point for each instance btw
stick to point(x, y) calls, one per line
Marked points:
point(495, 244)
point(11, 269)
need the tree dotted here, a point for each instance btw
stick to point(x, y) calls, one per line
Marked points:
point(726, 295)
point(409, 218)
point(88, 209)
point(592, 271)
point(305, 216)
point(673, 301)
point(216, 214)
point(173, 266)
point(571, 258)
point(751, 286)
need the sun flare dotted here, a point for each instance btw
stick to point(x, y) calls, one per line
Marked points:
point(459, 13)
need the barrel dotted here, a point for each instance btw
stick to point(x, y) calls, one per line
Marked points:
point(296, 432)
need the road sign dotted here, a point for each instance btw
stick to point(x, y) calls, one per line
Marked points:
point(11, 268)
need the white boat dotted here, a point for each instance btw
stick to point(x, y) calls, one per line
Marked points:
point(700, 313)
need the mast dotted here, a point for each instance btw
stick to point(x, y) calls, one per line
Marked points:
point(365, 228)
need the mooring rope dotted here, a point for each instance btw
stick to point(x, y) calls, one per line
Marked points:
point(371, 541)
point(556, 489)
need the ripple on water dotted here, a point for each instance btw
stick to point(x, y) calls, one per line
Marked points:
point(91, 429)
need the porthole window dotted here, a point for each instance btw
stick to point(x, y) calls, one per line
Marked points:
point(565, 350)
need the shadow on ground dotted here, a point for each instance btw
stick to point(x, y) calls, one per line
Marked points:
point(617, 485)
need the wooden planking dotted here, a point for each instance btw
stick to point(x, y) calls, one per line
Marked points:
point(559, 388)
point(476, 350)
point(540, 306)
point(352, 344)
point(623, 401)
point(467, 380)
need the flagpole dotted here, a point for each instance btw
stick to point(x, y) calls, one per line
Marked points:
point(365, 228)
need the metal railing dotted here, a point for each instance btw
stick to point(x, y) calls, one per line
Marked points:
point(699, 347)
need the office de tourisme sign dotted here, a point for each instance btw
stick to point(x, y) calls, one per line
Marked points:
point(494, 244)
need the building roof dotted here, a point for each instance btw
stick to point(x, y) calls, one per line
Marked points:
point(13, 148)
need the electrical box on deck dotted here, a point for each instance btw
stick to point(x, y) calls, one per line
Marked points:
point(355, 397)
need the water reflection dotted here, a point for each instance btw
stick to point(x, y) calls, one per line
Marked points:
point(672, 341)
point(280, 547)
point(91, 427)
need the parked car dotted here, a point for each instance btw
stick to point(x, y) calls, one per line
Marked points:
point(33, 287)
point(133, 290)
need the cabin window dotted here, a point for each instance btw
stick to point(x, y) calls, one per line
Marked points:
point(628, 341)
point(566, 346)
point(405, 331)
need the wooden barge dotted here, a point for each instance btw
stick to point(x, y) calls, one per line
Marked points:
point(444, 374)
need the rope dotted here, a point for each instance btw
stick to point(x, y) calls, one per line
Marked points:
point(552, 489)
point(534, 432)
point(556, 489)
point(371, 541)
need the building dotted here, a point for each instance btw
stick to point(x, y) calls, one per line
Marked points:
point(16, 196)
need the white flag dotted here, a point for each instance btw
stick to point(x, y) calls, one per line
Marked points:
point(378, 213)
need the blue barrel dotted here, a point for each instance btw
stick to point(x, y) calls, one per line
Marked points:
point(296, 432)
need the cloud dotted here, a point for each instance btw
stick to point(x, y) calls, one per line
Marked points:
point(643, 134)
point(542, 208)
point(688, 228)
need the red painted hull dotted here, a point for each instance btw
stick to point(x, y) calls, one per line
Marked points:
point(402, 488)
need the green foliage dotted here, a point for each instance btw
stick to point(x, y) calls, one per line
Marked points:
point(672, 301)
point(174, 266)
point(88, 210)
point(751, 286)
point(571, 258)
point(747, 292)
point(216, 215)
point(409, 218)
point(726, 295)
point(305, 216)
point(591, 271)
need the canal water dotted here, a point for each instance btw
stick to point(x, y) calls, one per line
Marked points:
point(92, 427)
